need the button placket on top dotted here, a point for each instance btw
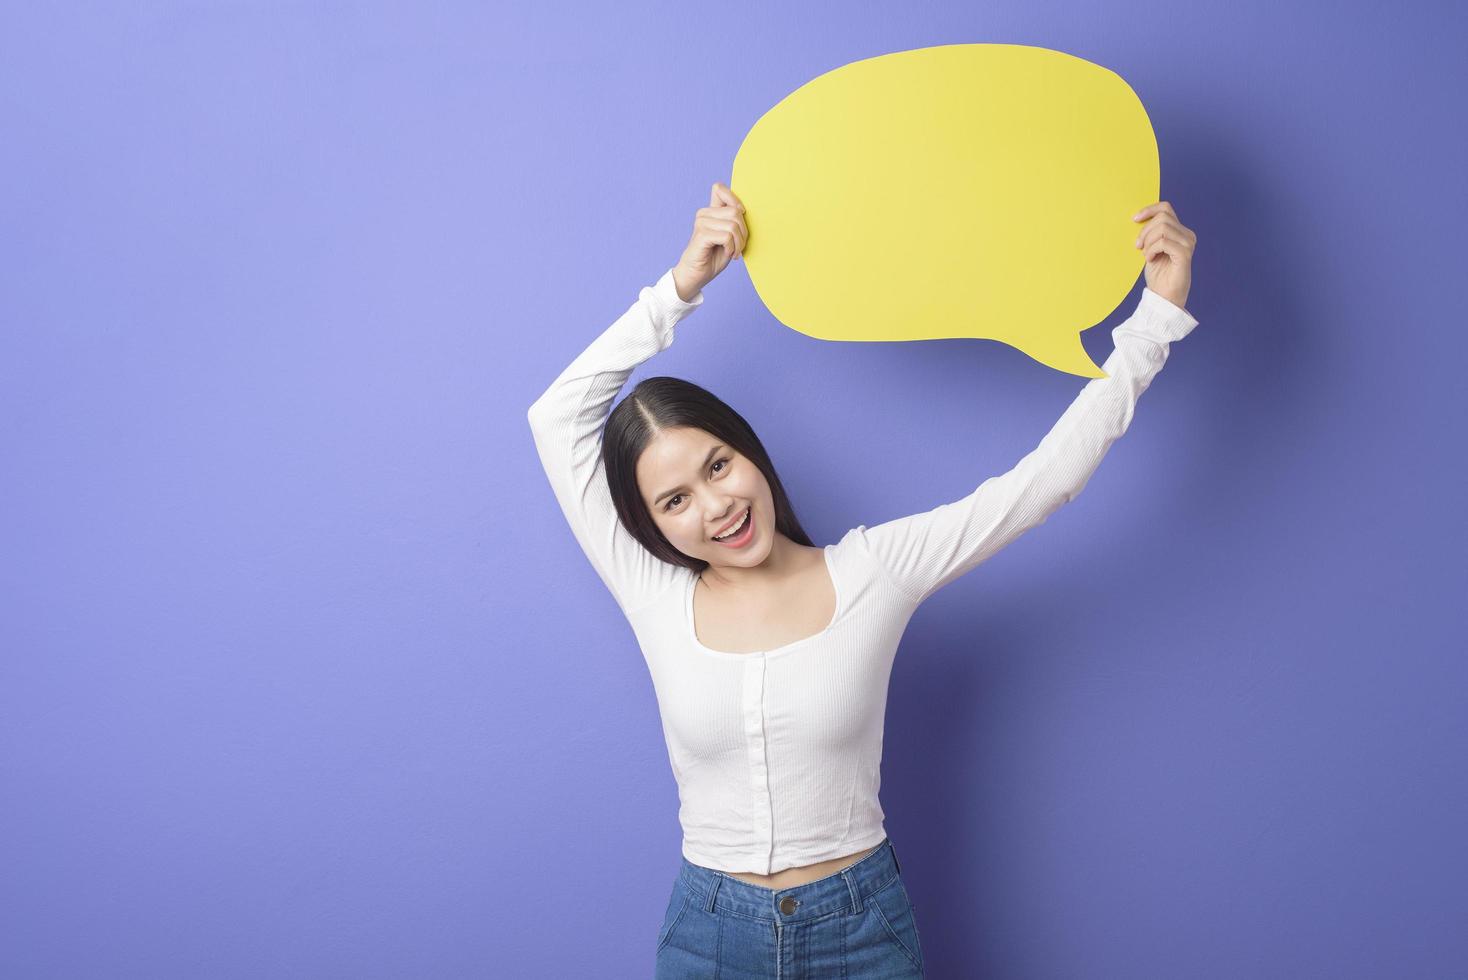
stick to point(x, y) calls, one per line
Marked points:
point(755, 745)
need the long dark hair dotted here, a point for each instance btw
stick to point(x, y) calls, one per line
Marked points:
point(666, 403)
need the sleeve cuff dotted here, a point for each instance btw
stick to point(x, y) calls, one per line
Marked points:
point(1164, 319)
point(666, 290)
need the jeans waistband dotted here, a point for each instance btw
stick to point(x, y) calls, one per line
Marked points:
point(844, 890)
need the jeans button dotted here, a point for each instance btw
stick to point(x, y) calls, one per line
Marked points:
point(787, 904)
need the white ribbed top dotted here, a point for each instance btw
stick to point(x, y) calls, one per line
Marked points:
point(777, 754)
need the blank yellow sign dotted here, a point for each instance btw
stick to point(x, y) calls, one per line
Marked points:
point(965, 190)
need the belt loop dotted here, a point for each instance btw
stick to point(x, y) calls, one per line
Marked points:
point(855, 892)
point(713, 890)
point(893, 848)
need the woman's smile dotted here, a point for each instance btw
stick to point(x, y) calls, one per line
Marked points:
point(744, 534)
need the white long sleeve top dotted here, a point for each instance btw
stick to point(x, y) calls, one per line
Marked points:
point(777, 754)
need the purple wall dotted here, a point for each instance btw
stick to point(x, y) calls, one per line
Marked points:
point(303, 674)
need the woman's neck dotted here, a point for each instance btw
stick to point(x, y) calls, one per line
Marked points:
point(786, 558)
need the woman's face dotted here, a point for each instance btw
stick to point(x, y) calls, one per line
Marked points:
point(695, 487)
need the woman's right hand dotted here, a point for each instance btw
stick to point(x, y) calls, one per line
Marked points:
point(718, 238)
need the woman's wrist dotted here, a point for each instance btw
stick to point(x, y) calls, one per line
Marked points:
point(687, 285)
point(1175, 299)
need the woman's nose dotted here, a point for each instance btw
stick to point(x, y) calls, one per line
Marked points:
point(721, 513)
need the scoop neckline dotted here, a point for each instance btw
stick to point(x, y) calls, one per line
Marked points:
point(691, 630)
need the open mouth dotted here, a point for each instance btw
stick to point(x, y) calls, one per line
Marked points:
point(741, 530)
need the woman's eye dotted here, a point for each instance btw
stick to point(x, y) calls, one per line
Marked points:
point(673, 500)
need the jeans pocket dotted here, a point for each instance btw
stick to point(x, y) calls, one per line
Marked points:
point(894, 908)
point(678, 903)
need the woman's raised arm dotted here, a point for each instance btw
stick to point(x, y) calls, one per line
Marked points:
point(924, 552)
point(567, 420)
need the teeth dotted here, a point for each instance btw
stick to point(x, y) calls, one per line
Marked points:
point(734, 530)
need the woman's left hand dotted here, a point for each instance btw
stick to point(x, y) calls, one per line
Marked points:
point(1167, 245)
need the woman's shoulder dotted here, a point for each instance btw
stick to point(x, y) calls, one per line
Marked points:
point(870, 553)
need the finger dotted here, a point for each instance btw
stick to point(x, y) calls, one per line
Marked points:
point(721, 241)
point(1151, 209)
point(1179, 232)
point(726, 226)
point(725, 196)
point(713, 241)
point(721, 213)
point(1183, 242)
point(735, 239)
point(1171, 246)
point(728, 211)
point(1160, 224)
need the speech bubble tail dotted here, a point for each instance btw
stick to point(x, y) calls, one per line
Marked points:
point(1063, 353)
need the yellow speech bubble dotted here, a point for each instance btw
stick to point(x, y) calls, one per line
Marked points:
point(964, 190)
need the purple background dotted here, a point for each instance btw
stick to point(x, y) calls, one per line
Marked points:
point(304, 675)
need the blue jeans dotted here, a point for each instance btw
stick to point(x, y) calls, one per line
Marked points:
point(856, 923)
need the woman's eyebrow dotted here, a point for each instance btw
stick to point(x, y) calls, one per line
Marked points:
point(668, 493)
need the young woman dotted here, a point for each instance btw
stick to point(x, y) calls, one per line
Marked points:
point(770, 656)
